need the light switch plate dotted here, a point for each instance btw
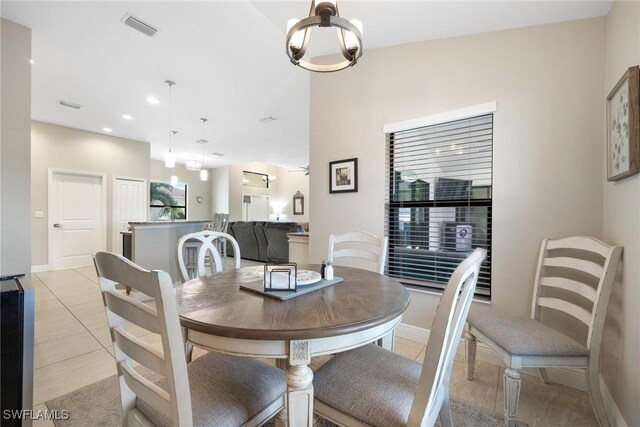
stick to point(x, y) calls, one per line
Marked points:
point(38, 214)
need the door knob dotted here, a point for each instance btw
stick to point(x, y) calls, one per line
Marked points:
point(57, 225)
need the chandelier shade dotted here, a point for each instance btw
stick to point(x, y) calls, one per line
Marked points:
point(325, 14)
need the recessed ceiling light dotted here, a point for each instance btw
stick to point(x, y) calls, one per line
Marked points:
point(107, 129)
point(153, 100)
point(127, 117)
point(32, 62)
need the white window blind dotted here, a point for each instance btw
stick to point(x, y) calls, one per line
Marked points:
point(438, 200)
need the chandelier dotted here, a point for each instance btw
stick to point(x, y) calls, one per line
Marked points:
point(325, 14)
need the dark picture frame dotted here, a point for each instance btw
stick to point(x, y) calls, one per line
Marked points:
point(298, 203)
point(623, 123)
point(343, 176)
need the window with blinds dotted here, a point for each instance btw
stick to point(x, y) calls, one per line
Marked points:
point(438, 194)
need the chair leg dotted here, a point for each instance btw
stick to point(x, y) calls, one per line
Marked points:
point(542, 372)
point(593, 387)
point(511, 385)
point(470, 344)
point(445, 411)
point(386, 341)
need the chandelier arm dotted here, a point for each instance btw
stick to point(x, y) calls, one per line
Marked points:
point(343, 46)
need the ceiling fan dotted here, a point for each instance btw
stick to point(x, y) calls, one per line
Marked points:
point(304, 169)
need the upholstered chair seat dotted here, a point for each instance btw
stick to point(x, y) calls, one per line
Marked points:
point(225, 391)
point(522, 336)
point(371, 384)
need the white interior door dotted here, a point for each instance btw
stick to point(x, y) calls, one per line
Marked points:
point(129, 204)
point(77, 226)
point(255, 207)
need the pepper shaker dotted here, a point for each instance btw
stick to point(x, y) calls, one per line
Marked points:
point(323, 265)
point(328, 271)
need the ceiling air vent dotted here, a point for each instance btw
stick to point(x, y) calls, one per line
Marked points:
point(137, 24)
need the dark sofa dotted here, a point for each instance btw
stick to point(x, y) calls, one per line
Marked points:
point(262, 241)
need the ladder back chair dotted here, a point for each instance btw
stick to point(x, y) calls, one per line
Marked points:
point(366, 246)
point(371, 386)
point(220, 223)
point(192, 250)
point(572, 273)
point(215, 389)
point(361, 245)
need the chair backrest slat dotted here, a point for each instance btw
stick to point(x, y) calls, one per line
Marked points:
point(588, 267)
point(140, 351)
point(146, 390)
point(582, 257)
point(220, 222)
point(365, 246)
point(171, 362)
point(207, 244)
point(580, 243)
point(444, 337)
point(132, 310)
point(572, 309)
point(570, 285)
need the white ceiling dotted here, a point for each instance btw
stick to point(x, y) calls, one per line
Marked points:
point(228, 60)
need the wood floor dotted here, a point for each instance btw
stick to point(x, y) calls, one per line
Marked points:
point(73, 349)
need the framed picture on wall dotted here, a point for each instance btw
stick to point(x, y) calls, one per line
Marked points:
point(343, 176)
point(623, 123)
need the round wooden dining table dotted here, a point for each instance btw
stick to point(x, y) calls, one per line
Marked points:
point(219, 316)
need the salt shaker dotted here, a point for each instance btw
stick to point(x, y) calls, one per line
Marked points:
point(328, 271)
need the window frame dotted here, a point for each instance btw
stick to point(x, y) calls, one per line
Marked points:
point(186, 198)
point(392, 208)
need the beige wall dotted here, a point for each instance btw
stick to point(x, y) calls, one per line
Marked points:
point(61, 147)
point(15, 148)
point(220, 189)
point(280, 191)
point(621, 226)
point(195, 187)
point(548, 84)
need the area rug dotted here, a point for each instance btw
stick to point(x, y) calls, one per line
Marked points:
point(98, 404)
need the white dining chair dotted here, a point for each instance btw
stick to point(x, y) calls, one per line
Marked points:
point(360, 245)
point(573, 273)
point(192, 250)
point(215, 389)
point(371, 386)
point(220, 223)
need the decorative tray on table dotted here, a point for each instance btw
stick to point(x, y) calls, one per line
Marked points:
point(285, 281)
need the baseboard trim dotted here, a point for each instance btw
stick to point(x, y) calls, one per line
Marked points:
point(613, 412)
point(39, 268)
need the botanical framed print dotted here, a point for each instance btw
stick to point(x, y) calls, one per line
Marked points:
point(343, 176)
point(623, 123)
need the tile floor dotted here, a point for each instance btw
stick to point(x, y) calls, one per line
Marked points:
point(73, 349)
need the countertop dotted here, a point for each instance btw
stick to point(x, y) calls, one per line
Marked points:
point(177, 221)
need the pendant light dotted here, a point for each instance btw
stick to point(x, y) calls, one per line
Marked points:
point(170, 157)
point(204, 173)
point(174, 180)
point(324, 14)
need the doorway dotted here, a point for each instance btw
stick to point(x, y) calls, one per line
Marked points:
point(255, 207)
point(129, 204)
point(77, 217)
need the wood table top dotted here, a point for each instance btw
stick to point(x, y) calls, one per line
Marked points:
point(216, 305)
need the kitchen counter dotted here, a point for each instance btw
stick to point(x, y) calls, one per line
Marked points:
point(153, 243)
